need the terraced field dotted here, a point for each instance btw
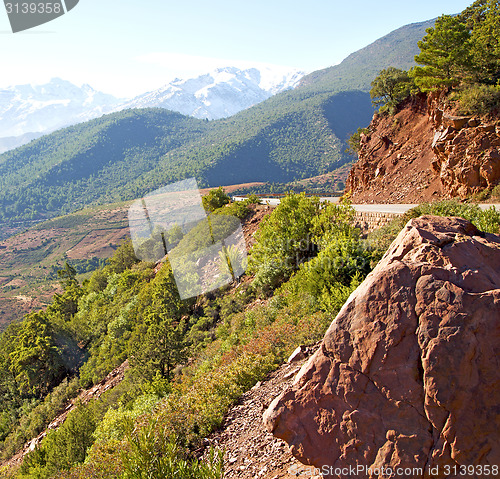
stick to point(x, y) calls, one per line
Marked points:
point(29, 260)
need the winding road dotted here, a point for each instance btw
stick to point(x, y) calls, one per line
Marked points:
point(375, 208)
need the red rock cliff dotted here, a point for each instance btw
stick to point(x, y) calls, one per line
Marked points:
point(425, 153)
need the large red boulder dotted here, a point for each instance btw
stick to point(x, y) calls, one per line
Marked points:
point(408, 375)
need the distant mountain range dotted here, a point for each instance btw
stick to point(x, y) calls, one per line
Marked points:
point(219, 94)
point(28, 112)
point(294, 134)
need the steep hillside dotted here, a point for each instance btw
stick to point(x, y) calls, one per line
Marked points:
point(30, 258)
point(426, 152)
point(191, 361)
point(87, 163)
point(357, 71)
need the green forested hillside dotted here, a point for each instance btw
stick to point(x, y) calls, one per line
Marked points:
point(125, 155)
point(86, 163)
point(223, 341)
point(297, 134)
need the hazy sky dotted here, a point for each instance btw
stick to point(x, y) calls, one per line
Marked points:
point(127, 47)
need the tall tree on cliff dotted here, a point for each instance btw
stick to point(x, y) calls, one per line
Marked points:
point(391, 87)
point(445, 53)
point(483, 20)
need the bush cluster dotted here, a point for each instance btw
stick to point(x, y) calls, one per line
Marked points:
point(479, 100)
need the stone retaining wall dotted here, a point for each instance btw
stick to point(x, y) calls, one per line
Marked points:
point(369, 221)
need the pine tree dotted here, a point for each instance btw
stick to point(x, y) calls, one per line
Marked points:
point(35, 360)
point(391, 86)
point(485, 38)
point(445, 53)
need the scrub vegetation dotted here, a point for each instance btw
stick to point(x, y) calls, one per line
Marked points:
point(189, 360)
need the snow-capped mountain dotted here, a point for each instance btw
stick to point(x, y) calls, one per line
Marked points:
point(219, 94)
point(28, 111)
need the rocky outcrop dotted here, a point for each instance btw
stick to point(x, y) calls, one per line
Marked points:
point(467, 152)
point(424, 153)
point(408, 373)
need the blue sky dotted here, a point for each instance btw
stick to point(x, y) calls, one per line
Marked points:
point(126, 47)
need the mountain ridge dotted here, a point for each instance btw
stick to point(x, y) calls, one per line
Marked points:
point(369, 60)
point(217, 94)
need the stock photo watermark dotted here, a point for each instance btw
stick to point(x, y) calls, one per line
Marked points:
point(25, 14)
point(360, 470)
point(205, 251)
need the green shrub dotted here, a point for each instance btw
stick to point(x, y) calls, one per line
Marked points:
point(354, 141)
point(482, 195)
point(158, 346)
point(338, 263)
point(495, 192)
point(331, 276)
point(8, 472)
point(123, 258)
point(64, 447)
point(391, 87)
point(485, 220)
point(334, 296)
point(381, 238)
point(98, 281)
point(295, 232)
point(33, 422)
point(36, 359)
point(253, 199)
point(158, 456)
point(488, 220)
point(247, 345)
point(215, 199)
point(334, 221)
point(479, 100)
point(116, 423)
point(239, 209)
point(283, 240)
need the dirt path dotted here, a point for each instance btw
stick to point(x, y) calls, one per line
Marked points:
point(250, 451)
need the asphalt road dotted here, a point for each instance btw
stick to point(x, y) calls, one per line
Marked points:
point(377, 208)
